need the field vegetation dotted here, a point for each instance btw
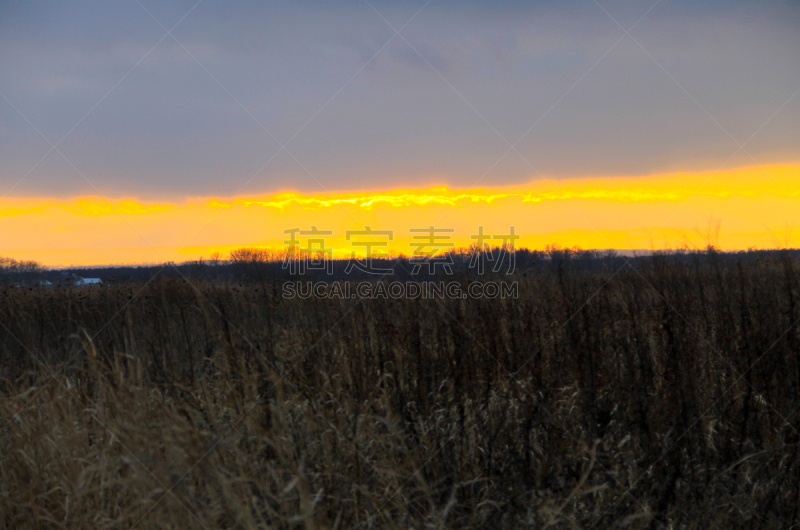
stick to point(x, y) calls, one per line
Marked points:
point(659, 392)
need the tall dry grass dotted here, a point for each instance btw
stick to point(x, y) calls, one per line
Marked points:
point(661, 396)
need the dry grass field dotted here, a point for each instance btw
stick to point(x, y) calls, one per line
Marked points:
point(662, 395)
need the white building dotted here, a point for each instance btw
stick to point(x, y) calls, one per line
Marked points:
point(87, 281)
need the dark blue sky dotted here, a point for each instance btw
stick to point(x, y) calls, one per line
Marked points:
point(441, 104)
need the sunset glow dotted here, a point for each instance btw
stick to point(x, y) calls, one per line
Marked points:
point(650, 212)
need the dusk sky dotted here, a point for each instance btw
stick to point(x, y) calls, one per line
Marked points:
point(251, 99)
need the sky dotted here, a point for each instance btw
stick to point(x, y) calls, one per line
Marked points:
point(154, 112)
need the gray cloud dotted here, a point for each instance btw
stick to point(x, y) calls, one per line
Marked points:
point(169, 129)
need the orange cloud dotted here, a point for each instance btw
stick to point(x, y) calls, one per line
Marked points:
point(756, 207)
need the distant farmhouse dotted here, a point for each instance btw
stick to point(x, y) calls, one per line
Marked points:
point(87, 281)
point(68, 278)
